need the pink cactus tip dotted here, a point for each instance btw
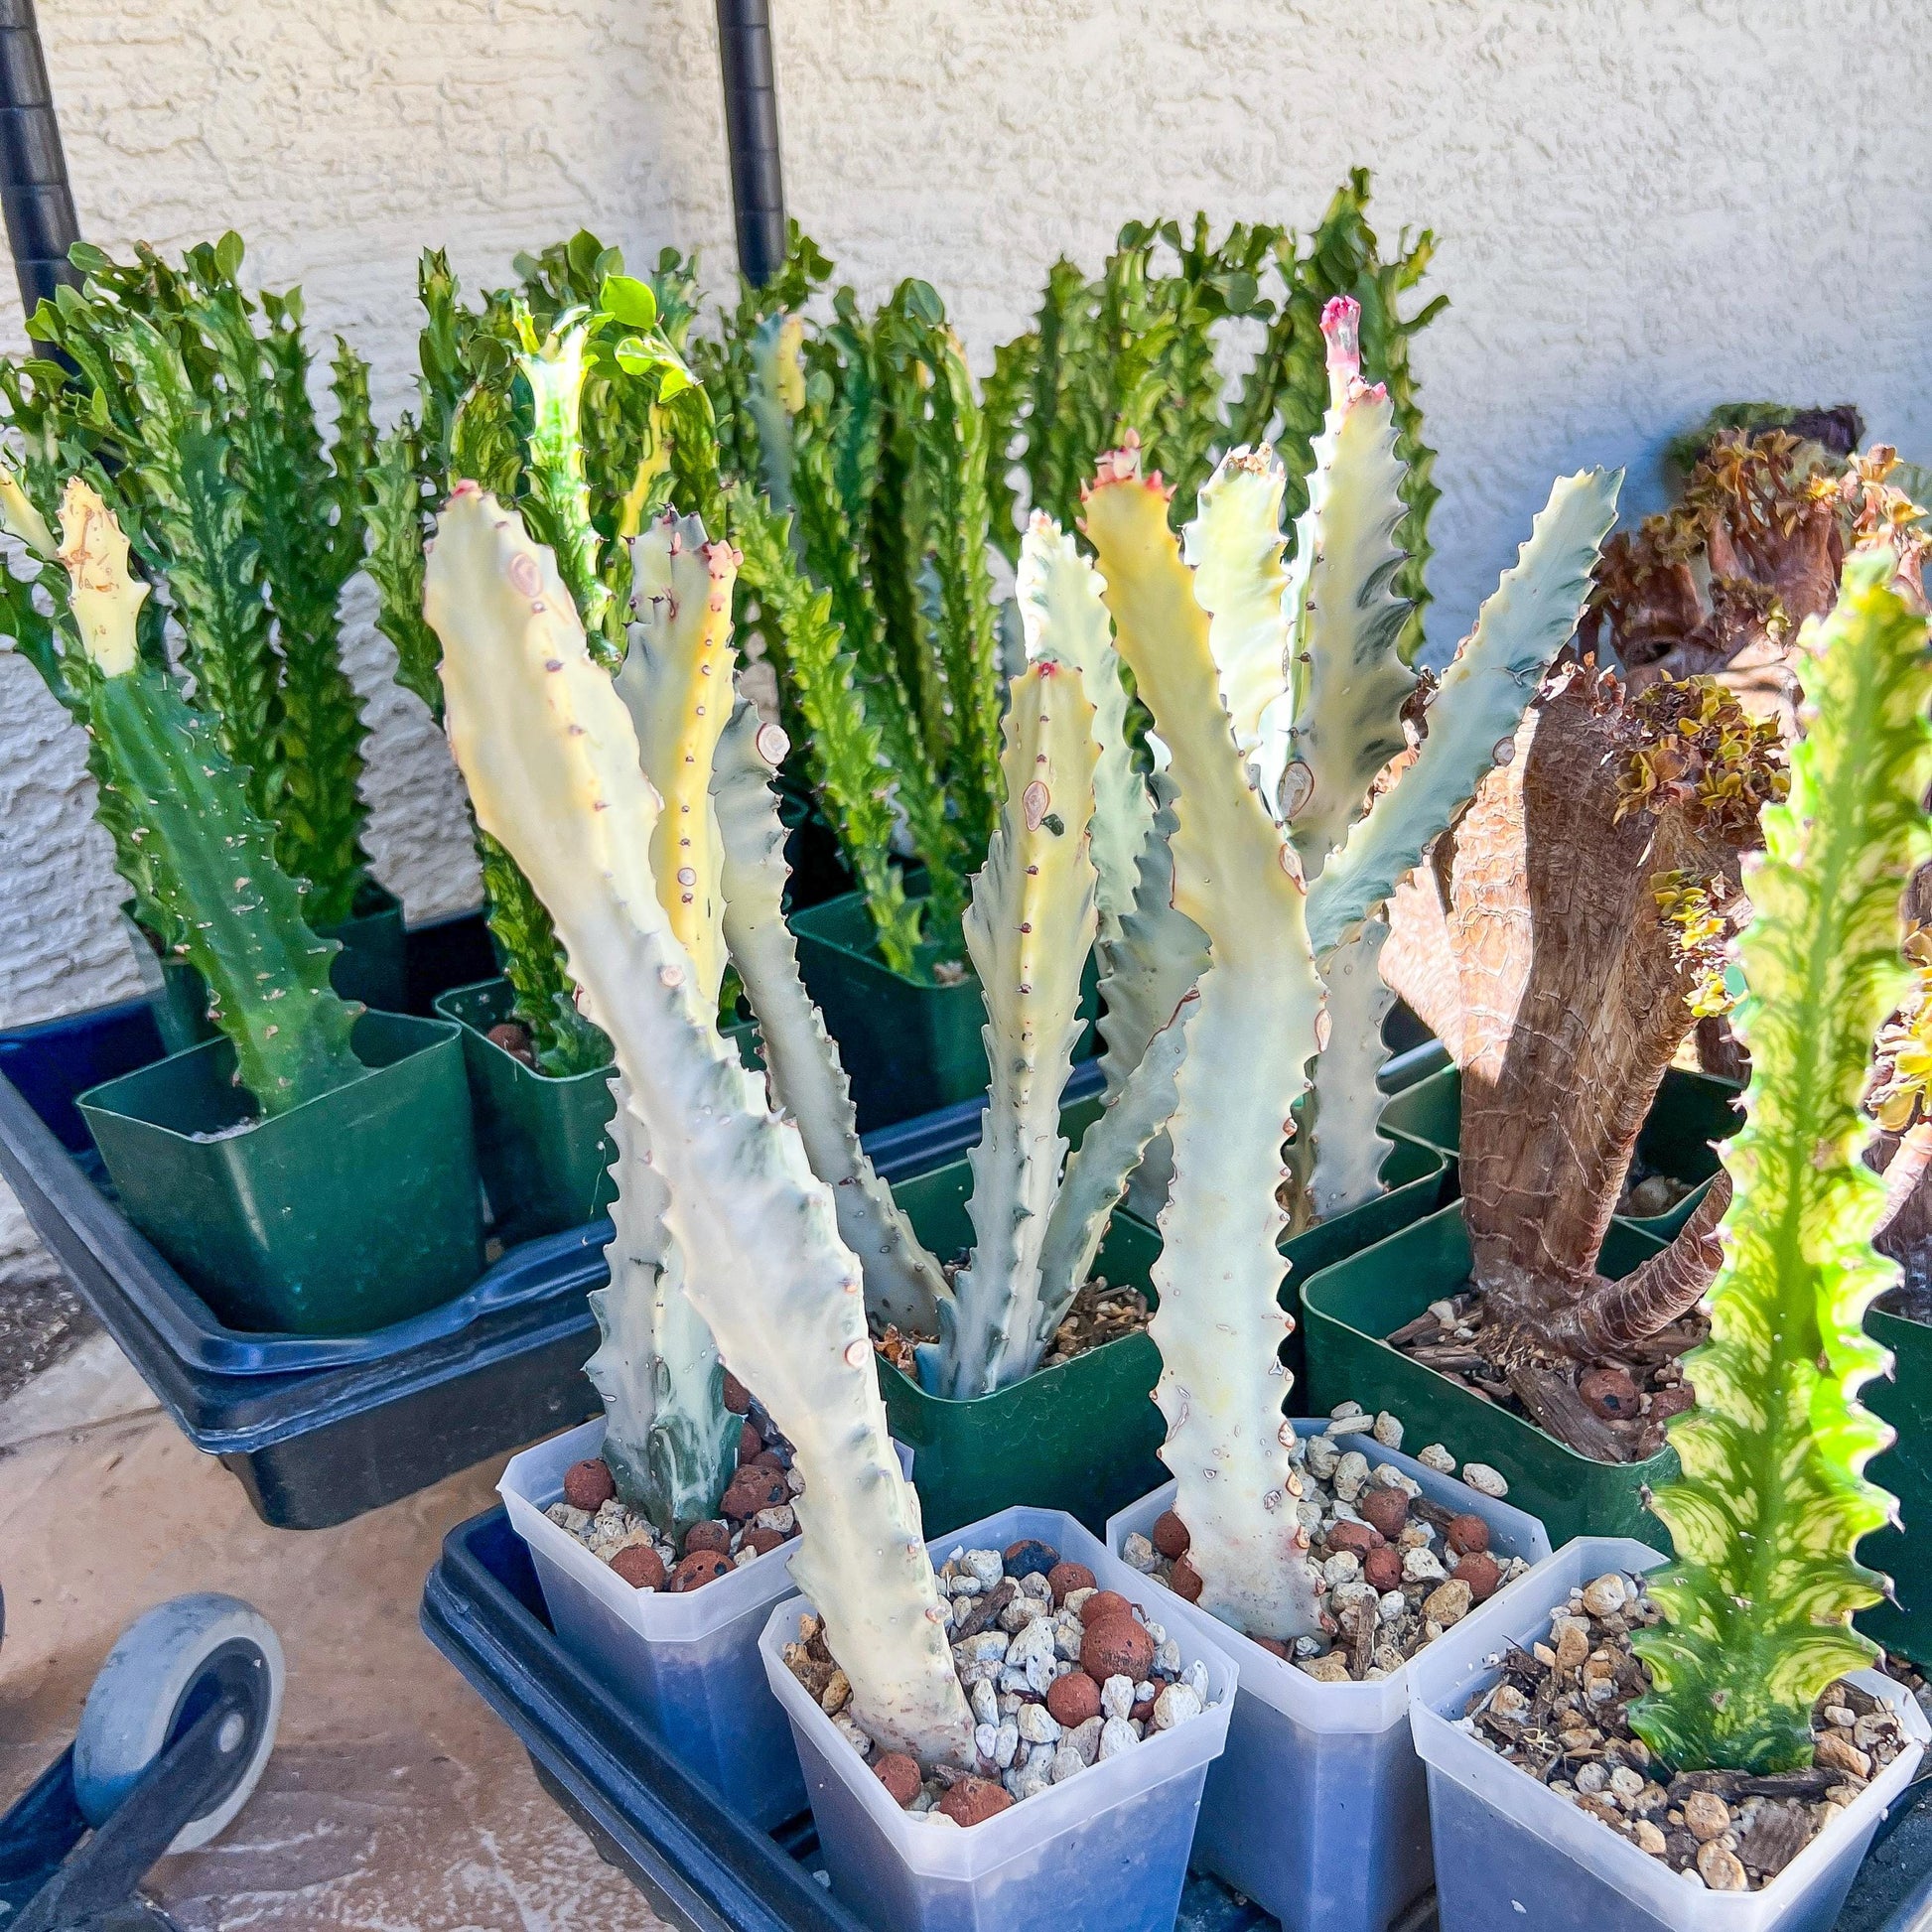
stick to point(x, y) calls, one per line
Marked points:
point(1341, 325)
point(464, 486)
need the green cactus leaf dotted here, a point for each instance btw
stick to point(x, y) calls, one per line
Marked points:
point(1773, 1499)
point(1472, 718)
point(397, 523)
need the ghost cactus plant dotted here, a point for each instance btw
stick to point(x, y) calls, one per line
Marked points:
point(554, 770)
point(1251, 690)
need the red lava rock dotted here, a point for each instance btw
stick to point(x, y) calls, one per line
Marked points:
point(770, 1460)
point(1672, 1401)
point(588, 1485)
point(1467, 1536)
point(753, 1488)
point(750, 1442)
point(1185, 1581)
point(1073, 1698)
point(737, 1398)
point(763, 1540)
point(694, 1571)
point(899, 1775)
point(1382, 1570)
point(1481, 1572)
point(1170, 1535)
point(1142, 1710)
point(1386, 1509)
point(1105, 1603)
point(1116, 1646)
point(514, 1039)
point(1611, 1392)
point(708, 1536)
point(1065, 1577)
point(1029, 1557)
point(640, 1565)
point(1273, 1645)
point(1358, 1537)
point(972, 1801)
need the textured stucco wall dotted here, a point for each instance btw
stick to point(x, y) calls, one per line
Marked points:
point(1644, 206)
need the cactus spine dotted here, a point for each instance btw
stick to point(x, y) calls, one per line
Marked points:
point(552, 761)
point(1773, 1499)
point(207, 864)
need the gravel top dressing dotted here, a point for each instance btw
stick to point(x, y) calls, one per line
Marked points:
point(1394, 1571)
point(1561, 1713)
point(1099, 1314)
point(1060, 1676)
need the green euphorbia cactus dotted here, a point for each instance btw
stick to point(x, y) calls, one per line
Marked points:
point(1774, 1497)
point(186, 405)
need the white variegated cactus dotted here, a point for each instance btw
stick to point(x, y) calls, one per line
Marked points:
point(1279, 697)
point(554, 768)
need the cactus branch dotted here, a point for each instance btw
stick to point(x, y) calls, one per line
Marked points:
point(903, 1284)
point(552, 763)
point(1220, 1325)
point(1029, 931)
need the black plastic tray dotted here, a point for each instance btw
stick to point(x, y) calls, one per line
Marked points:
point(703, 1867)
point(319, 1432)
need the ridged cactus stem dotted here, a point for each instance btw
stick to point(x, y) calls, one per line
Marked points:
point(169, 790)
point(552, 761)
point(1029, 931)
point(903, 1283)
point(1344, 1118)
point(668, 1440)
point(1256, 1025)
point(1773, 1499)
point(676, 681)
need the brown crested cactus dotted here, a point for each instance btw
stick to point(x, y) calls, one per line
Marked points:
point(1565, 940)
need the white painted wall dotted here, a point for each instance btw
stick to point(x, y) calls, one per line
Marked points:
point(1644, 206)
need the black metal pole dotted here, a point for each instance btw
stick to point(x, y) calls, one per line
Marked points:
point(33, 191)
point(750, 132)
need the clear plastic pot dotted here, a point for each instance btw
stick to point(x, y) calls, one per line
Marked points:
point(687, 1664)
point(1106, 1851)
point(1509, 1851)
point(1318, 1810)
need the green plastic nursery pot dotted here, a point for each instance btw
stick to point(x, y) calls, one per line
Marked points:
point(1417, 1180)
point(542, 1143)
point(1904, 1555)
point(371, 967)
point(908, 1045)
point(354, 1210)
point(1081, 1436)
point(1347, 1308)
point(1691, 1111)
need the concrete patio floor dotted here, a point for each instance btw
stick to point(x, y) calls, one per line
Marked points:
point(396, 1801)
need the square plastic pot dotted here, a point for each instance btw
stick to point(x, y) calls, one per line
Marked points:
point(1106, 1851)
point(1903, 1552)
point(1691, 1111)
point(1085, 1435)
point(1318, 1809)
point(354, 1210)
point(1512, 1853)
point(1348, 1308)
point(687, 1664)
point(373, 966)
point(908, 1045)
